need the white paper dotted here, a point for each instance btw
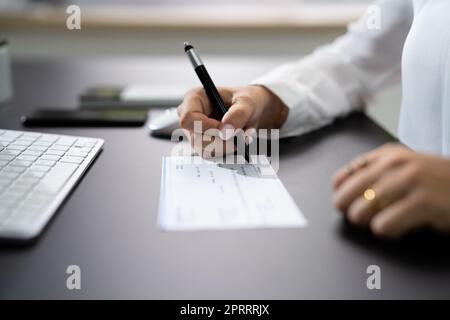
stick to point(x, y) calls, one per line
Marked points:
point(198, 194)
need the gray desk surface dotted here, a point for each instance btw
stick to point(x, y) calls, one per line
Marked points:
point(108, 224)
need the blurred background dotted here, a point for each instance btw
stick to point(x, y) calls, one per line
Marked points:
point(273, 31)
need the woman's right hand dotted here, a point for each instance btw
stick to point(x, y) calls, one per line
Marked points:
point(250, 108)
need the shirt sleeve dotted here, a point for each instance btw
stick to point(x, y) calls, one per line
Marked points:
point(343, 76)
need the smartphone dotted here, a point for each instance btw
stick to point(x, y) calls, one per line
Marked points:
point(85, 118)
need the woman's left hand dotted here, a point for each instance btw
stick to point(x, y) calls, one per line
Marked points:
point(394, 190)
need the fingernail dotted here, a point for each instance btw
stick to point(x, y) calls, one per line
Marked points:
point(227, 132)
point(248, 139)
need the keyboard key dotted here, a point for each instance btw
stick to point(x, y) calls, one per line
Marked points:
point(22, 142)
point(76, 153)
point(65, 141)
point(14, 169)
point(26, 157)
point(8, 175)
point(55, 152)
point(6, 156)
point(85, 149)
point(28, 138)
point(48, 137)
point(42, 144)
point(36, 174)
point(57, 177)
point(29, 180)
point(39, 168)
point(12, 152)
point(20, 163)
point(37, 148)
point(33, 135)
point(35, 153)
point(50, 157)
point(71, 159)
point(86, 142)
point(90, 144)
point(12, 133)
point(3, 163)
point(48, 163)
point(14, 146)
point(17, 190)
point(60, 148)
point(7, 139)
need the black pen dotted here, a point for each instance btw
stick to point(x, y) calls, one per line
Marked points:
point(209, 86)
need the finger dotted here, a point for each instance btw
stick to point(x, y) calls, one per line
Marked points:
point(399, 218)
point(237, 117)
point(198, 122)
point(357, 183)
point(370, 157)
point(195, 100)
point(346, 171)
point(391, 187)
point(195, 111)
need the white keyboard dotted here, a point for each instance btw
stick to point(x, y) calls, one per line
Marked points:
point(37, 171)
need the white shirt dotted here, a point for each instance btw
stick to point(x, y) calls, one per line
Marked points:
point(412, 44)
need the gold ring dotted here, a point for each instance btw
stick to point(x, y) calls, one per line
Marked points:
point(379, 203)
point(370, 195)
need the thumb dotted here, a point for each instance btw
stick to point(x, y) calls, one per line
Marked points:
point(237, 117)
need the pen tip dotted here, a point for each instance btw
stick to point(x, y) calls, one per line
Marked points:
point(187, 46)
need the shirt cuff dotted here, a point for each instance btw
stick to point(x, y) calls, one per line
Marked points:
point(294, 97)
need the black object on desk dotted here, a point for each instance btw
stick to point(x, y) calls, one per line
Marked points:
point(119, 97)
point(85, 118)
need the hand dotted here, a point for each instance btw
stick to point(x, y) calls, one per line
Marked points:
point(394, 190)
point(250, 108)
